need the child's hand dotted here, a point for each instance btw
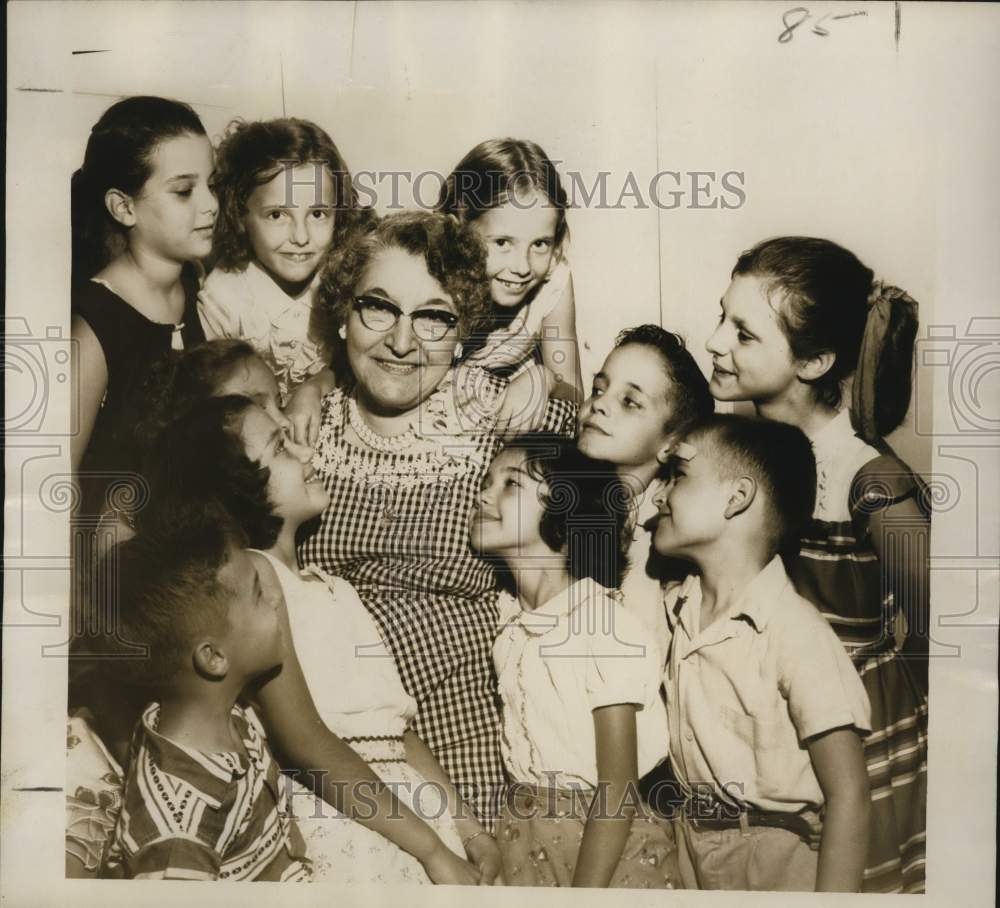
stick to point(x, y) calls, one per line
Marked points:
point(303, 412)
point(445, 868)
point(484, 852)
point(304, 407)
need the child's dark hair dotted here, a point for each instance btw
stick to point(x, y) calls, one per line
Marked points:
point(168, 595)
point(585, 506)
point(779, 458)
point(198, 473)
point(250, 155)
point(495, 171)
point(178, 380)
point(119, 156)
point(693, 401)
point(828, 301)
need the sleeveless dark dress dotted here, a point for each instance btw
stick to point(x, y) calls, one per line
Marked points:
point(131, 343)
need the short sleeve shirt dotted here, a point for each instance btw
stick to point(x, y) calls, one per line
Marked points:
point(557, 664)
point(193, 815)
point(745, 694)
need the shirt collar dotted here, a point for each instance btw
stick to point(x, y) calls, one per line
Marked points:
point(547, 616)
point(754, 604)
point(215, 771)
point(826, 439)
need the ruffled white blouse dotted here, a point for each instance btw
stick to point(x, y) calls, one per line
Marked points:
point(248, 304)
point(555, 665)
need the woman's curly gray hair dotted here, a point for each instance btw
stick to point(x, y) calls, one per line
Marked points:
point(455, 258)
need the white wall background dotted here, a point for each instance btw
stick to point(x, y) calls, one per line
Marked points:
point(891, 150)
point(836, 135)
point(844, 135)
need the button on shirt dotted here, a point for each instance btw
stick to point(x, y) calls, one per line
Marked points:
point(744, 694)
point(555, 665)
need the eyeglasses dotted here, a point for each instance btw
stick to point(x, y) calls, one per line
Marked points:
point(381, 315)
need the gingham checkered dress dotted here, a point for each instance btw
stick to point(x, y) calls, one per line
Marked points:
point(397, 529)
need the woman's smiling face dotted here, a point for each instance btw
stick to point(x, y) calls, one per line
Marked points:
point(395, 369)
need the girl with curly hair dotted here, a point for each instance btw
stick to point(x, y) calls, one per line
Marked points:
point(285, 197)
point(509, 192)
point(402, 450)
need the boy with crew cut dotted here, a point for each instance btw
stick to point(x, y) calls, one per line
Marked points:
point(765, 709)
point(203, 796)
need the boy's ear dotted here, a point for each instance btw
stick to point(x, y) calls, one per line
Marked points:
point(666, 449)
point(120, 206)
point(210, 661)
point(816, 366)
point(741, 496)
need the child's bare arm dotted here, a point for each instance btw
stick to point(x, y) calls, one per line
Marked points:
point(304, 406)
point(525, 401)
point(481, 847)
point(839, 764)
point(558, 343)
point(91, 371)
point(610, 819)
point(340, 776)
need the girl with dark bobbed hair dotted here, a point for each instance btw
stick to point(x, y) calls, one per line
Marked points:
point(801, 317)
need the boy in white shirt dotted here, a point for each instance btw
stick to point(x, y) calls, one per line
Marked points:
point(765, 709)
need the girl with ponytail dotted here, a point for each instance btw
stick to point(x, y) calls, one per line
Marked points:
point(800, 318)
point(143, 216)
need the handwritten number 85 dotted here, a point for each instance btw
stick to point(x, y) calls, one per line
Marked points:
point(794, 17)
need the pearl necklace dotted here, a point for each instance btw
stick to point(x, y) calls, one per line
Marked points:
point(387, 445)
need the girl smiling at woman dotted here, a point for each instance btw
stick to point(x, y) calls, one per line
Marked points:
point(801, 316)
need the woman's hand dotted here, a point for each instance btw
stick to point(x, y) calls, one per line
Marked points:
point(304, 406)
point(445, 868)
point(484, 852)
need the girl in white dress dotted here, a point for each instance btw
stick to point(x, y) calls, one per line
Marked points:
point(228, 458)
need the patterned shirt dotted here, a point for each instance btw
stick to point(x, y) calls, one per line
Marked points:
point(193, 815)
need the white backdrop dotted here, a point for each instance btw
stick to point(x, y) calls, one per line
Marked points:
point(886, 145)
point(836, 135)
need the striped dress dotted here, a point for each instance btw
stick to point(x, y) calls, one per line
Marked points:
point(838, 570)
point(397, 528)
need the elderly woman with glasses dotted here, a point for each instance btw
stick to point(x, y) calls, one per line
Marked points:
point(405, 440)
